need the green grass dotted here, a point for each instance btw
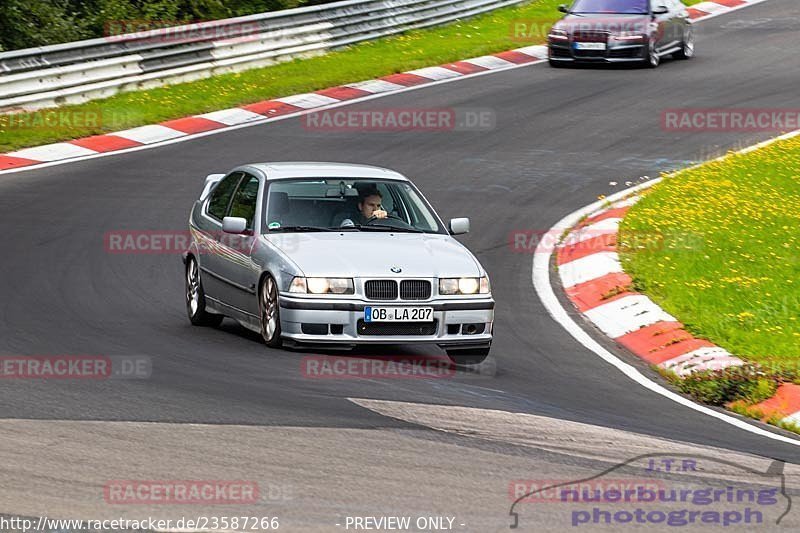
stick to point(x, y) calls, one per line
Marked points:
point(485, 34)
point(717, 247)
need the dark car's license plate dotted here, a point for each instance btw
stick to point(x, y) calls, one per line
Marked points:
point(590, 46)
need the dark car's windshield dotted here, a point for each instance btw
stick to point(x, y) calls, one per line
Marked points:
point(628, 7)
point(327, 204)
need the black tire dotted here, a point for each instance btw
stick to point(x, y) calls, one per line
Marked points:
point(196, 297)
point(269, 312)
point(687, 46)
point(469, 357)
point(651, 58)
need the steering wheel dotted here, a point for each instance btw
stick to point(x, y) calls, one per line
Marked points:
point(388, 216)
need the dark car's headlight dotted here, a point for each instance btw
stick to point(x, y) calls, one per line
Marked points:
point(629, 36)
point(322, 285)
point(558, 34)
point(464, 285)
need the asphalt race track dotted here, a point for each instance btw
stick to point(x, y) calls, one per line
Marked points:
point(561, 137)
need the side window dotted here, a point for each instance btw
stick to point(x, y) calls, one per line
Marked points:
point(387, 200)
point(244, 201)
point(221, 195)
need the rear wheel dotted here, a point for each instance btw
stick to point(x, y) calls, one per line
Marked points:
point(196, 297)
point(269, 311)
point(687, 47)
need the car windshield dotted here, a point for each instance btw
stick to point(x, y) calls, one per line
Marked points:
point(628, 7)
point(335, 204)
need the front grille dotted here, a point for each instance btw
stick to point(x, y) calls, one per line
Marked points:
point(559, 51)
point(386, 289)
point(589, 36)
point(397, 328)
point(415, 289)
point(381, 289)
point(590, 53)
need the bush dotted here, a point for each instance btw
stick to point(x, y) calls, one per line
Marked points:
point(29, 23)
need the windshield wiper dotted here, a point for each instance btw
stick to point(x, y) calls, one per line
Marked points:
point(301, 228)
point(386, 227)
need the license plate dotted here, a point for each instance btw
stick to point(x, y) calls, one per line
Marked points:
point(398, 314)
point(590, 46)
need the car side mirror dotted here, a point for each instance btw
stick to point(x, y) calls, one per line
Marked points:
point(235, 225)
point(459, 226)
point(660, 10)
point(564, 8)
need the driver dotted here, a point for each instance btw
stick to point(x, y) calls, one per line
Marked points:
point(369, 205)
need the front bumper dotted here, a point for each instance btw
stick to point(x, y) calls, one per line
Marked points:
point(615, 53)
point(456, 322)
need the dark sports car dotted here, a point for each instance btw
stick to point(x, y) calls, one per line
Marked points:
point(617, 31)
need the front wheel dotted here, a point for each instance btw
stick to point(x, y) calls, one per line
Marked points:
point(652, 59)
point(687, 47)
point(196, 297)
point(269, 311)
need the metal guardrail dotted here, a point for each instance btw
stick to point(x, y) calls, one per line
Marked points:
point(96, 68)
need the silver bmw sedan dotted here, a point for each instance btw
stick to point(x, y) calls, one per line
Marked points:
point(334, 254)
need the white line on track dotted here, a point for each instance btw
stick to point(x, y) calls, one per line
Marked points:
point(543, 287)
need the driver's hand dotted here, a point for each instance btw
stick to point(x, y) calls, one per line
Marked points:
point(379, 213)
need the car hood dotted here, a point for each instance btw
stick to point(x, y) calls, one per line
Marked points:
point(374, 254)
point(604, 22)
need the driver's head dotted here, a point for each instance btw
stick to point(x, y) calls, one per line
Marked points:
point(369, 201)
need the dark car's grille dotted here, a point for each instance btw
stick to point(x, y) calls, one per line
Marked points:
point(381, 289)
point(415, 289)
point(589, 36)
point(590, 53)
point(397, 328)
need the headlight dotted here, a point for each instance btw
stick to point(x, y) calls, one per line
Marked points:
point(558, 34)
point(628, 35)
point(464, 285)
point(322, 285)
point(485, 287)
